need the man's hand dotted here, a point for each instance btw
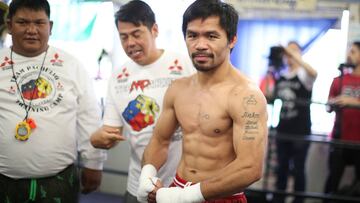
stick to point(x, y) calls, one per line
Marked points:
point(190, 194)
point(152, 194)
point(106, 137)
point(293, 53)
point(147, 182)
point(344, 100)
point(90, 180)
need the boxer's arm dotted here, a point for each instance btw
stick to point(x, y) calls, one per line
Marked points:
point(248, 110)
point(156, 151)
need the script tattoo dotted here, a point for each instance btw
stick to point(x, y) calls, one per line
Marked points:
point(251, 118)
point(251, 126)
point(250, 115)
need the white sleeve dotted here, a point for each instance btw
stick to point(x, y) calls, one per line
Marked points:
point(306, 79)
point(111, 115)
point(88, 121)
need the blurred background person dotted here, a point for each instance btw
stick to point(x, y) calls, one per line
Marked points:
point(344, 99)
point(294, 88)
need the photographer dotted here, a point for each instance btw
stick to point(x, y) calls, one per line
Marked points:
point(344, 99)
point(294, 88)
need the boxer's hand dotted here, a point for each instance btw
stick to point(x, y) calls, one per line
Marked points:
point(152, 194)
point(190, 194)
point(147, 182)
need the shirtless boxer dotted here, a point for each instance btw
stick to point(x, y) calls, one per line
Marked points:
point(221, 112)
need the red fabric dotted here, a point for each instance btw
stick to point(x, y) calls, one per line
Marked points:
point(267, 84)
point(236, 198)
point(350, 125)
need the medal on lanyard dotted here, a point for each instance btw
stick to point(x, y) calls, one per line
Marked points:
point(23, 129)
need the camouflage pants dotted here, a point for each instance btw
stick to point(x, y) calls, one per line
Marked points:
point(61, 188)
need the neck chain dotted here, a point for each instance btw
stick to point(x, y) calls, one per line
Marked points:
point(27, 108)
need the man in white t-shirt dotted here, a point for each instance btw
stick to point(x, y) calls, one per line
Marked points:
point(136, 90)
point(48, 111)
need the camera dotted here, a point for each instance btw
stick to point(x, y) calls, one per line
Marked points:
point(276, 57)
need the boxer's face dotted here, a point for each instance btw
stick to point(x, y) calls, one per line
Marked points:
point(138, 42)
point(207, 43)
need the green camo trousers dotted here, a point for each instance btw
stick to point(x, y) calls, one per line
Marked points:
point(61, 188)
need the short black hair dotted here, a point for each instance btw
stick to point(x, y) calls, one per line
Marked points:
point(36, 5)
point(206, 8)
point(357, 44)
point(136, 12)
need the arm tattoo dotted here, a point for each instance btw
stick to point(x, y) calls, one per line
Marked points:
point(251, 127)
point(204, 116)
point(249, 100)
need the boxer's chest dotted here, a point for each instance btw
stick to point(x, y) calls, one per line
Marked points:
point(204, 112)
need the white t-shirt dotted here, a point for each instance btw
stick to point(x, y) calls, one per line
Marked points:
point(134, 102)
point(305, 78)
point(63, 107)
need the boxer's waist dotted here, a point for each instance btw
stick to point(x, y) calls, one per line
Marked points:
point(179, 182)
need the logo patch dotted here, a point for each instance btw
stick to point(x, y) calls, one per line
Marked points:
point(45, 92)
point(141, 112)
point(6, 62)
point(122, 77)
point(56, 61)
point(12, 90)
point(36, 89)
point(142, 84)
point(176, 69)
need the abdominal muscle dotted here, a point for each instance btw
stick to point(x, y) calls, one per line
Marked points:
point(204, 156)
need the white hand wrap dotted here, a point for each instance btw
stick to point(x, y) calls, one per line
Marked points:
point(190, 194)
point(147, 182)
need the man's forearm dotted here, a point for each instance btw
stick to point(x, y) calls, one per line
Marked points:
point(155, 153)
point(223, 184)
point(154, 157)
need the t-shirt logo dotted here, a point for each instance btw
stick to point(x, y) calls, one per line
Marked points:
point(35, 89)
point(142, 84)
point(123, 75)
point(176, 69)
point(351, 91)
point(56, 61)
point(11, 90)
point(45, 92)
point(6, 62)
point(141, 112)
